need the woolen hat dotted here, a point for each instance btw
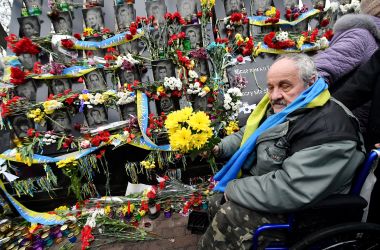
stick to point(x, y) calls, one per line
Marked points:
point(370, 7)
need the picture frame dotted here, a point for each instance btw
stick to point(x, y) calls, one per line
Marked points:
point(29, 26)
point(162, 69)
point(63, 23)
point(95, 80)
point(125, 14)
point(20, 125)
point(93, 18)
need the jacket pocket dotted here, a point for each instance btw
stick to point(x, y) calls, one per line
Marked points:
point(278, 151)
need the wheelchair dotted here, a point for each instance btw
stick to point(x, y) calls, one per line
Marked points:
point(333, 223)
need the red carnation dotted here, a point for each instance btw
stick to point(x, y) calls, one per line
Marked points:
point(128, 37)
point(25, 46)
point(17, 76)
point(240, 59)
point(325, 21)
point(67, 43)
point(78, 36)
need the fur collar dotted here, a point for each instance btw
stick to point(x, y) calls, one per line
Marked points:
point(357, 21)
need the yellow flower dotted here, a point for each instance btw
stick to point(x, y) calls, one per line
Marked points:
point(181, 140)
point(206, 89)
point(199, 140)
point(107, 210)
point(161, 89)
point(199, 121)
point(61, 209)
point(238, 37)
point(84, 97)
point(51, 106)
point(68, 162)
point(88, 30)
point(203, 79)
point(141, 213)
point(232, 127)
point(211, 3)
point(184, 114)
point(300, 42)
point(271, 12)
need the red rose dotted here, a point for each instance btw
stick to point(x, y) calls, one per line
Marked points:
point(325, 21)
point(78, 36)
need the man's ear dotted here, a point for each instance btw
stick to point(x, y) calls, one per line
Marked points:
point(312, 80)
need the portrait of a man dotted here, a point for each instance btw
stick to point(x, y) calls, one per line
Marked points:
point(128, 111)
point(193, 32)
point(160, 37)
point(200, 103)
point(162, 69)
point(187, 8)
point(127, 76)
point(31, 3)
point(93, 18)
point(96, 116)
point(58, 86)
point(63, 23)
point(27, 90)
point(20, 125)
point(60, 122)
point(232, 6)
point(157, 9)
point(29, 26)
point(166, 105)
point(134, 47)
point(27, 60)
point(290, 3)
point(95, 81)
point(125, 14)
point(261, 6)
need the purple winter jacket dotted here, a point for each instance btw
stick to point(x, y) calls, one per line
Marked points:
point(356, 38)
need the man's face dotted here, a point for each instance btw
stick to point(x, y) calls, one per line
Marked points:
point(284, 84)
point(27, 90)
point(97, 116)
point(129, 77)
point(193, 38)
point(125, 14)
point(92, 19)
point(166, 104)
point(63, 124)
point(27, 60)
point(95, 81)
point(62, 25)
point(162, 74)
point(186, 9)
point(28, 30)
point(234, 4)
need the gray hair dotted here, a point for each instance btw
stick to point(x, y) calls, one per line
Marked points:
point(304, 63)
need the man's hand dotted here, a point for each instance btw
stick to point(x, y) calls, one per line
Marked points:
point(215, 151)
point(377, 145)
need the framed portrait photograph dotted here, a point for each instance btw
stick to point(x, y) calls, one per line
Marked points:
point(62, 23)
point(128, 76)
point(32, 3)
point(160, 37)
point(202, 68)
point(128, 111)
point(29, 26)
point(125, 14)
point(167, 104)
point(28, 90)
point(156, 8)
point(199, 103)
point(58, 86)
point(232, 6)
point(95, 80)
point(260, 6)
point(96, 116)
point(162, 69)
point(27, 60)
point(95, 2)
point(93, 18)
point(187, 8)
point(136, 47)
point(194, 33)
point(20, 125)
point(60, 122)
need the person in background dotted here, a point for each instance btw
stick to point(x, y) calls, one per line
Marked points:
point(299, 147)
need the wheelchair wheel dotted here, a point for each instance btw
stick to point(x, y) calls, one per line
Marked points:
point(343, 236)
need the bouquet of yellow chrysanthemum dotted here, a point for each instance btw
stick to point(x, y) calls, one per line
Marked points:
point(190, 132)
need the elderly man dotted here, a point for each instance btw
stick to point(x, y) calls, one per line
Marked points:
point(298, 147)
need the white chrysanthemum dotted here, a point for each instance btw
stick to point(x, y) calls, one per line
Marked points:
point(193, 74)
point(282, 36)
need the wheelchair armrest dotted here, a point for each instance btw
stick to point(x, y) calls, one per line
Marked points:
point(341, 201)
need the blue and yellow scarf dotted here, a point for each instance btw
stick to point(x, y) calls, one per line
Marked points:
point(315, 96)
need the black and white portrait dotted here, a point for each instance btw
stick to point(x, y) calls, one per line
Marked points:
point(193, 32)
point(93, 18)
point(167, 104)
point(128, 111)
point(27, 60)
point(260, 6)
point(232, 6)
point(162, 69)
point(187, 8)
point(20, 125)
point(201, 67)
point(58, 86)
point(125, 14)
point(95, 2)
point(29, 26)
point(290, 3)
point(60, 122)
point(27, 90)
point(95, 80)
point(159, 37)
point(136, 46)
point(63, 23)
point(128, 76)
point(199, 103)
point(96, 116)
point(30, 4)
point(157, 9)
